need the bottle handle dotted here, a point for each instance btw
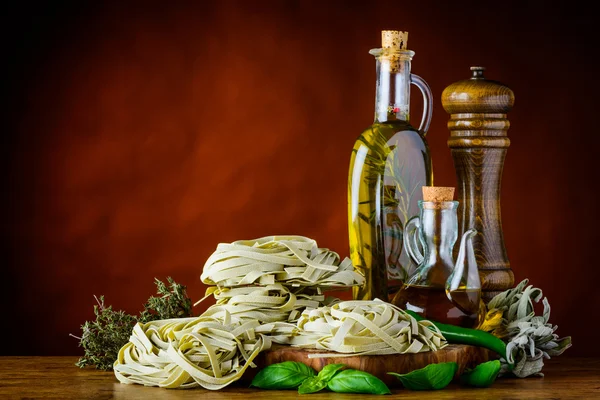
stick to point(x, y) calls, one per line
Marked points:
point(427, 102)
point(411, 239)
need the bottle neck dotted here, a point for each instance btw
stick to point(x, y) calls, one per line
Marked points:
point(392, 93)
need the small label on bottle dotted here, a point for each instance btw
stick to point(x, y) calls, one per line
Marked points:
point(399, 110)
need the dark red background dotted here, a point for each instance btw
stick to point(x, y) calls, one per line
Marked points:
point(138, 136)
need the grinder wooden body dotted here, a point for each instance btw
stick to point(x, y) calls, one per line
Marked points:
point(478, 143)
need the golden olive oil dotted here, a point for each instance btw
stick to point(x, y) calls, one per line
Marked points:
point(464, 309)
point(389, 164)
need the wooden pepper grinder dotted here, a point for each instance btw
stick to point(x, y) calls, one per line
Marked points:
point(478, 142)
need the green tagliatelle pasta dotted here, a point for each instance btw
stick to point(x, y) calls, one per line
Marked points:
point(269, 303)
point(267, 291)
point(185, 353)
point(291, 260)
point(363, 327)
point(214, 349)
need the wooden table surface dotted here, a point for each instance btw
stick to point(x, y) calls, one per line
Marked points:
point(59, 378)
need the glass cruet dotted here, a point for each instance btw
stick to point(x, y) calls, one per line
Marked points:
point(442, 290)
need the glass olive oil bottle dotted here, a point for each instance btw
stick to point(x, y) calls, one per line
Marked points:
point(390, 163)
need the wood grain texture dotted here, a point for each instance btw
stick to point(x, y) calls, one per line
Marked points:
point(478, 143)
point(479, 172)
point(477, 95)
point(378, 365)
point(59, 378)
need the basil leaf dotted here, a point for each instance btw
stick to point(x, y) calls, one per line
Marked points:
point(329, 371)
point(283, 375)
point(312, 385)
point(354, 381)
point(431, 377)
point(319, 382)
point(483, 375)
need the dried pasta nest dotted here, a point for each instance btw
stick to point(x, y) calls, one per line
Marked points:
point(365, 327)
point(289, 260)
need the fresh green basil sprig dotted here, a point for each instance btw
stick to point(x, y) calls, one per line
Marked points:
point(319, 382)
point(438, 376)
point(432, 377)
point(355, 381)
point(283, 375)
point(483, 375)
point(291, 374)
point(312, 385)
point(328, 371)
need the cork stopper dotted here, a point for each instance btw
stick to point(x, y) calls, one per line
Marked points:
point(394, 40)
point(438, 193)
point(393, 50)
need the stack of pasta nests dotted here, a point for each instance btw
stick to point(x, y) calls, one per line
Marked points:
point(268, 290)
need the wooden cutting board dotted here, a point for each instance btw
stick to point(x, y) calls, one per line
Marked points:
point(378, 365)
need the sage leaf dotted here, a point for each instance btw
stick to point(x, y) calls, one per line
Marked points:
point(432, 377)
point(354, 381)
point(530, 337)
point(483, 375)
point(312, 385)
point(329, 371)
point(283, 375)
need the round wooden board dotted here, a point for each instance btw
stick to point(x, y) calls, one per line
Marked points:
point(378, 365)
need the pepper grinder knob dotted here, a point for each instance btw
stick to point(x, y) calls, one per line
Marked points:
point(477, 72)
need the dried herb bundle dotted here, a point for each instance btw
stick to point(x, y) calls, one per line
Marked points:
point(172, 302)
point(102, 338)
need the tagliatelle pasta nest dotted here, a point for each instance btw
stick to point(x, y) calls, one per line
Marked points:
point(269, 303)
point(364, 327)
point(290, 260)
point(189, 352)
point(268, 291)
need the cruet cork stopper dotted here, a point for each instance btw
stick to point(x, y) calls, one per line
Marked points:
point(392, 43)
point(394, 40)
point(438, 193)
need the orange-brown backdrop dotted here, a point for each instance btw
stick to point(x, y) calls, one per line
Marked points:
point(140, 135)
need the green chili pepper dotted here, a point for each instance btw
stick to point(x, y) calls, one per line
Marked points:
point(474, 337)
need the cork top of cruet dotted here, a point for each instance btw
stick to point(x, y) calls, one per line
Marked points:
point(477, 95)
point(438, 193)
point(395, 40)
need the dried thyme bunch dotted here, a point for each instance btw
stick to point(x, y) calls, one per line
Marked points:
point(530, 338)
point(102, 338)
point(172, 302)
